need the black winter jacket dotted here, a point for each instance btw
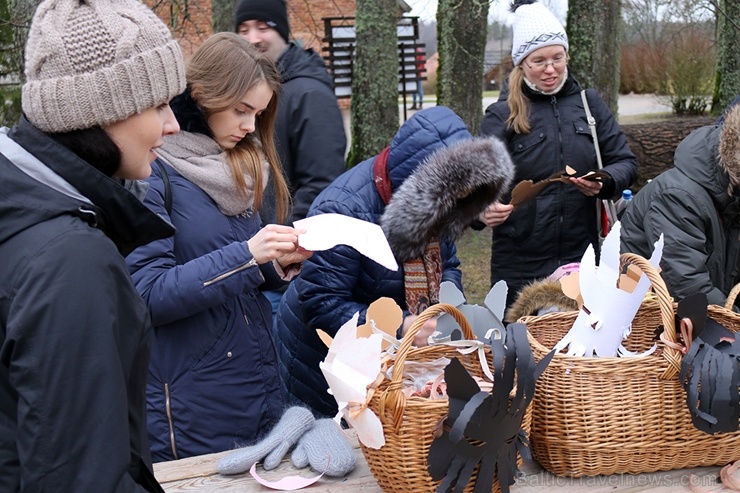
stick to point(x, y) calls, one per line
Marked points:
point(556, 227)
point(74, 333)
point(309, 131)
point(699, 219)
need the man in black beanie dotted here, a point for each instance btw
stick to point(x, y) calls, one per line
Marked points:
point(309, 131)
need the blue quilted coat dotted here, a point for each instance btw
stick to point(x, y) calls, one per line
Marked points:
point(337, 283)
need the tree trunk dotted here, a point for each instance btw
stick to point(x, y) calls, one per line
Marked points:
point(223, 15)
point(593, 28)
point(461, 41)
point(374, 106)
point(728, 56)
point(655, 143)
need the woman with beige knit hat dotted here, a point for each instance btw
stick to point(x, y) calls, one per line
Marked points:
point(74, 333)
point(542, 117)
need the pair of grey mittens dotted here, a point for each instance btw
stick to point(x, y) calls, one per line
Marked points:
point(318, 442)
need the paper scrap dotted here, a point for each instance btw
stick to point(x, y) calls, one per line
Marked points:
point(325, 231)
point(288, 483)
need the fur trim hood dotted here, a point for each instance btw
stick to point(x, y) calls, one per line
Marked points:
point(538, 298)
point(445, 194)
point(729, 148)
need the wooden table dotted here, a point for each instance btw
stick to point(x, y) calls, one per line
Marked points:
point(199, 474)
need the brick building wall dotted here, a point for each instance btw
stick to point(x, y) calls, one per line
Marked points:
point(305, 17)
point(188, 20)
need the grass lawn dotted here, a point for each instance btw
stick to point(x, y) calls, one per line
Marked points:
point(474, 252)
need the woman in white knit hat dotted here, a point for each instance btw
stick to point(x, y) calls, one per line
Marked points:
point(542, 118)
point(74, 333)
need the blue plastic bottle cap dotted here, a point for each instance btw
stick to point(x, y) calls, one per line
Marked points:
point(627, 194)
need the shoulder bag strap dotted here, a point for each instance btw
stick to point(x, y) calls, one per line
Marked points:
point(603, 207)
point(592, 126)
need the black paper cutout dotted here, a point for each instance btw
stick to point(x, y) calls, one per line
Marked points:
point(493, 420)
point(710, 370)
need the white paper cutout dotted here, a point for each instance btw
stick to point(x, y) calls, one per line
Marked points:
point(325, 231)
point(351, 365)
point(288, 483)
point(607, 313)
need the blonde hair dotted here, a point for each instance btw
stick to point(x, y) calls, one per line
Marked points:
point(518, 103)
point(220, 72)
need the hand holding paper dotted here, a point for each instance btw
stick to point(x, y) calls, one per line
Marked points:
point(325, 231)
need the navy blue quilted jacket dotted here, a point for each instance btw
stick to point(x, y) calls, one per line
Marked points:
point(213, 377)
point(337, 283)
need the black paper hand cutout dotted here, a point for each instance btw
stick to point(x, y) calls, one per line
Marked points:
point(710, 369)
point(493, 420)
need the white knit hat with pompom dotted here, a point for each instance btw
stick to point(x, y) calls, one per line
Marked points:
point(534, 27)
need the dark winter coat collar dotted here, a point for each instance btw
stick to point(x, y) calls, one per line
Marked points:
point(111, 208)
point(296, 62)
point(189, 115)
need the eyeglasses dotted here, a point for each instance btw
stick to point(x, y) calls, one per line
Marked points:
point(557, 62)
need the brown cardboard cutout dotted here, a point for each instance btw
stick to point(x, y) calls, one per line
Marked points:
point(387, 316)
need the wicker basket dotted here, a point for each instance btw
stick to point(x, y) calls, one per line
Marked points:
point(409, 422)
point(725, 315)
point(618, 415)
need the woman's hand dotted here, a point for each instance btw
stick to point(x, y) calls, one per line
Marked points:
point(296, 257)
point(589, 188)
point(495, 214)
point(422, 337)
point(276, 242)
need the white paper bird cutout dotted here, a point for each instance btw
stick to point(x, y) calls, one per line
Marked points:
point(351, 365)
point(605, 318)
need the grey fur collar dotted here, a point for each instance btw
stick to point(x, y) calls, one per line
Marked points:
point(445, 194)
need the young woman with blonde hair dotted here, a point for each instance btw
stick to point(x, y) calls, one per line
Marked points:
point(541, 117)
point(213, 378)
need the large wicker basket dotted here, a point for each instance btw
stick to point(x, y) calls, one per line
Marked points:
point(619, 415)
point(409, 423)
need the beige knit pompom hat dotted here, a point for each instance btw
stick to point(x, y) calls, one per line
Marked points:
point(95, 62)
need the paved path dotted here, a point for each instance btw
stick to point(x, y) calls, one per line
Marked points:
point(629, 105)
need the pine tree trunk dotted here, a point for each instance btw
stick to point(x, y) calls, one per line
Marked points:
point(593, 28)
point(223, 15)
point(374, 106)
point(461, 41)
point(728, 56)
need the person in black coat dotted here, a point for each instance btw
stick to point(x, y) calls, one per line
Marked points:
point(542, 119)
point(75, 335)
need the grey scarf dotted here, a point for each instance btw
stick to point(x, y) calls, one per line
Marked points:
point(201, 160)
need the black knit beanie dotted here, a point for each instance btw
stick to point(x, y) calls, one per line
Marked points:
point(272, 12)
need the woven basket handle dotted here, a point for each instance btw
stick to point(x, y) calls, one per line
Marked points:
point(393, 399)
point(671, 355)
point(731, 297)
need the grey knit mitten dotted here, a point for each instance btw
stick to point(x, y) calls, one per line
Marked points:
point(292, 425)
point(326, 449)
